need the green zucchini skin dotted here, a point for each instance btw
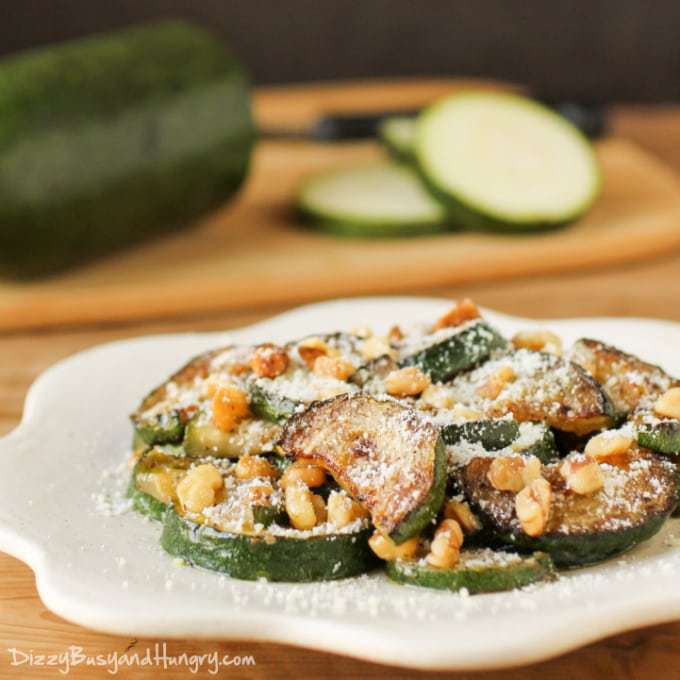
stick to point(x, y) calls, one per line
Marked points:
point(369, 230)
point(145, 503)
point(270, 407)
point(498, 434)
point(577, 544)
point(423, 515)
point(546, 449)
point(582, 550)
point(491, 434)
point(491, 579)
point(109, 140)
point(662, 438)
point(458, 353)
point(319, 558)
point(166, 428)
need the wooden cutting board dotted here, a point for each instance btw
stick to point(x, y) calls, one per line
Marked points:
point(254, 251)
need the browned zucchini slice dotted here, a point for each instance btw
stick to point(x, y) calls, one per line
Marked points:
point(154, 480)
point(639, 493)
point(251, 436)
point(163, 414)
point(386, 455)
point(161, 417)
point(541, 388)
point(629, 382)
point(277, 399)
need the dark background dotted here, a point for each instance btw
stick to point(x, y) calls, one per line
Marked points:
point(588, 49)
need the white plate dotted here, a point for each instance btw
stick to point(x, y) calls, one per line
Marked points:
point(106, 572)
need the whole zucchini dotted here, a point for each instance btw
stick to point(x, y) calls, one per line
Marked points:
point(109, 140)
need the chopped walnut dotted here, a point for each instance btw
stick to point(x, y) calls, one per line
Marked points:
point(406, 382)
point(668, 405)
point(583, 476)
point(437, 397)
point(460, 511)
point(333, 367)
point(230, 406)
point(608, 445)
point(513, 473)
point(496, 382)
point(376, 346)
point(465, 310)
point(395, 334)
point(538, 341)
point(462, 412)
point(269, 361)
point(445, 547)
point(532, 505)
point(310, 349)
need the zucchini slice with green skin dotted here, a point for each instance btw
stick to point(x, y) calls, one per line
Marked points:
point(658, 434)
point(545, 388)
point(268, 405)
point(633, 386)
point(383, 199)
point(397, 134)
point(527, 439)
point(277, 399)
point(479, 571)
point(499, 161)
point(153, 482)
point(321, 557)
point(449, 351)
point(145, 504)
point(161, 418)
point(252, 436)
point(385, 455)
point(639, 494)
point(491, 434)
point(545, 448)
point(628, 381)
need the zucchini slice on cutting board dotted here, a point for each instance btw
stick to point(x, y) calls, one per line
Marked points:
point(479, 571)
point(387, 456)
point(398, 134)
point(639, 494)
point(500, 161)
point(381, 199)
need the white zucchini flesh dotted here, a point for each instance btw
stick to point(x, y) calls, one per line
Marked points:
point(398, 134)
point(381, 198)
point(506, 158)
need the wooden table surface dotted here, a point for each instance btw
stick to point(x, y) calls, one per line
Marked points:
point(647, 289)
